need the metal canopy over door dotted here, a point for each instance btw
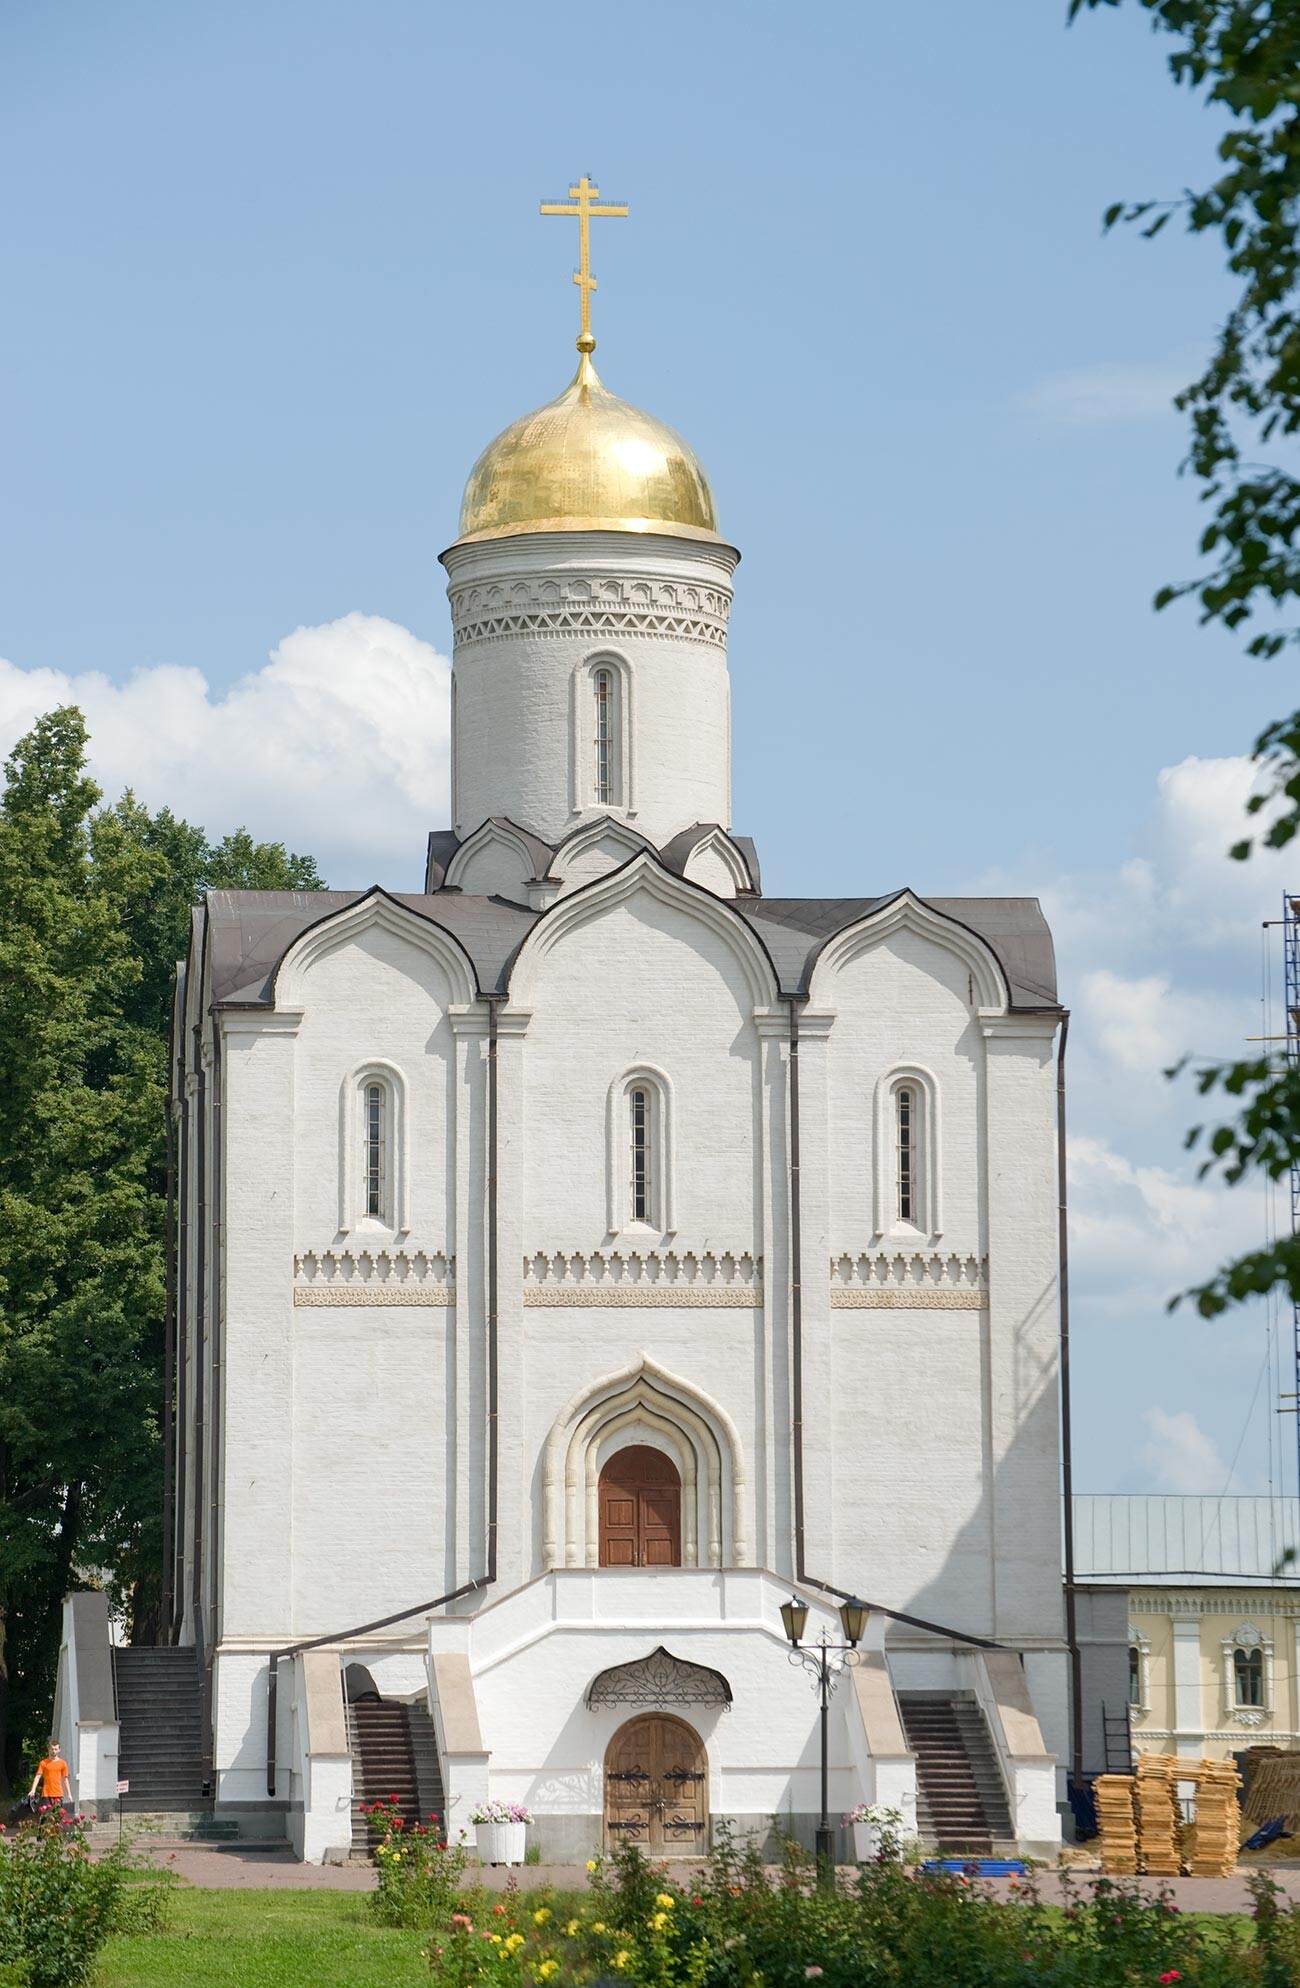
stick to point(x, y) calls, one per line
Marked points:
point(640, 1509)
point(657, 1787)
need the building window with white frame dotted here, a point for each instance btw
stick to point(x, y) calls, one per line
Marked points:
point(1248, 1677)
point(906, 1155)
point(906, 1128)
point(601, 743)
point(1134, 1674)
point(639, 1160)
point(374, 1147)
point(606, 743)
point(640, 1109)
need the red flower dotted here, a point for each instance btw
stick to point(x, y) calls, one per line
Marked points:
point(1172, 1975)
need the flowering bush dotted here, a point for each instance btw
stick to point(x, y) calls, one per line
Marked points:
point(420, 1872)
point(735, 1927)
point(58, 1906)
point(876, 1813)
point(500, 1812)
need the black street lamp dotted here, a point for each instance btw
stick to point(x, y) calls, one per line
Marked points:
point(826, 1661)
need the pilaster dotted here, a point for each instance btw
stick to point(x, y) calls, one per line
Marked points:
point(1023, 1322)
point(519, 1527)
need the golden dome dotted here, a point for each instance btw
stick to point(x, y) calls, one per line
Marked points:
point(587, 462)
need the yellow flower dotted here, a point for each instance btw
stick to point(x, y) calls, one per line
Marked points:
point(540, 1918)
point(515, 1941)
point(622, 1957)
point(659, 1921)
point(571, 1928)
point(666, 1899)
point(547, 1969)
point(495, 1939)
point(591, 1863)
point(599, 1926)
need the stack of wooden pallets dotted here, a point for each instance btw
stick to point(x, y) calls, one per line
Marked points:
point(1159, 1817)
point(1275, 1790)
point(1218, 1818)
point(1113, 1794)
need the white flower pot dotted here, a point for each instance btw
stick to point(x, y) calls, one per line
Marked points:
point(866, 1842)
point(501, 1842)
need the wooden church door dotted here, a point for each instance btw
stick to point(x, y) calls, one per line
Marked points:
point(640, 1509)
point(657, 1787)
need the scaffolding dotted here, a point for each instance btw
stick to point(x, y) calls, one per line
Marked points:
point(1291, 957)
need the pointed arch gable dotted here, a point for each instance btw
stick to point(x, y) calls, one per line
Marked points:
point(603, 828)
point(340, 928)
point(907, 912)
point(643, 873)
point(498, 831)
point(699, 1428)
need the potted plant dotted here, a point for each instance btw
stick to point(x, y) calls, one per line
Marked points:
point(876, 1830)
point(499, 1831)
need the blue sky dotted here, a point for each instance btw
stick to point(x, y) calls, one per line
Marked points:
point(273, 277)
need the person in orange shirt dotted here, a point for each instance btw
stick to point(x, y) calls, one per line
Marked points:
point(52, 1776)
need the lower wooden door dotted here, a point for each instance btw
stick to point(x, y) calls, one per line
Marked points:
point(657, 1787)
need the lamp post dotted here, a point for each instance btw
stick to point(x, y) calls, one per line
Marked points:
point(826, 1661)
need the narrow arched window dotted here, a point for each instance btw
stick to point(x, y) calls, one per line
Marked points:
point(1134, 1674)
point(640, 1129)
point(1248, 1674)
point(906, 1138)
point(374, 1148)
point(602, 683)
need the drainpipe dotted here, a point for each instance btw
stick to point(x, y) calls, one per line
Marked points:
point(169, 1375)
point(1067, 1448)
point(216, 1312)
point(177, 1543)
point(796, 1298)
point(493, 1363)
point(200, 1337)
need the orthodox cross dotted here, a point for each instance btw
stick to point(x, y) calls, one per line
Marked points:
point(580, 202)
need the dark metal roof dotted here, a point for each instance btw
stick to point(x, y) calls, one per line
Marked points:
point(795, 928)
point(677, 853)
point(250, 931)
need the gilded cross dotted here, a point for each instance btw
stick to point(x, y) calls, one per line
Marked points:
point(581, 201)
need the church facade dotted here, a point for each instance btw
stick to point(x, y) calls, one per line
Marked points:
point(582, 1254)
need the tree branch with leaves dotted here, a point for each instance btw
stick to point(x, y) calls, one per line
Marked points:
point(1243, 410)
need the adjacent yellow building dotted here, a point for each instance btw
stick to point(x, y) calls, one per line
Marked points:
point(1213, 1633)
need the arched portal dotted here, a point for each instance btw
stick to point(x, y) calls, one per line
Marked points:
point(640, 1502)
point(657, 1787)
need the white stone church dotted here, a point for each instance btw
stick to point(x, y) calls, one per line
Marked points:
point(579, 1256)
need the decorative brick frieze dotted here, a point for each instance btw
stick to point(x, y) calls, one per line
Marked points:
point(906, 1280)
point(658, 1278)
point(378, 1277)
point(605, 608)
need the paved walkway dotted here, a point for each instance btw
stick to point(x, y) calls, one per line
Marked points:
point(269, 1869)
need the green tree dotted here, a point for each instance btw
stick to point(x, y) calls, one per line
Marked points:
point(1243, 56)
point(94, 912)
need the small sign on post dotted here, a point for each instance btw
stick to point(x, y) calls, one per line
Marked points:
point(123, 1788)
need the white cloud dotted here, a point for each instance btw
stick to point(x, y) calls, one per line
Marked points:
point(338, 746)
point(1089, 395)
point(1141, 1233)
point(1179, 1456)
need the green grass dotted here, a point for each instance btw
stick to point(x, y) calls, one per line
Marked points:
point(266, 1939)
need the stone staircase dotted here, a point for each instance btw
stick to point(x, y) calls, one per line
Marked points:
point(160, 1749)
point(961, 1799)
point(394, 1752)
